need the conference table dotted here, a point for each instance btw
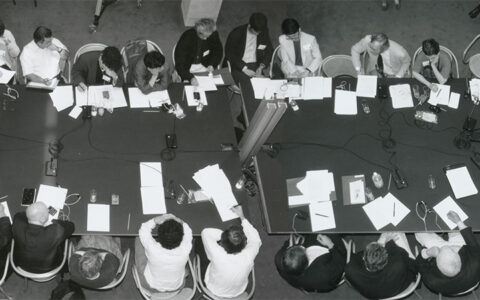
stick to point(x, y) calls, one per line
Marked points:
point(315, 138)
point(104, 153)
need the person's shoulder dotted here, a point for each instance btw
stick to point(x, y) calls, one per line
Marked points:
point(29, 47)
point(7, 33)
point(191, 32)
point(282, 38)
point(307, 35)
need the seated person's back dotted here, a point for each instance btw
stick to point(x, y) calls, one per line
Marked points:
point(5, 236)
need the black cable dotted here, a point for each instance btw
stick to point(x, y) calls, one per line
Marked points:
point(23, 139)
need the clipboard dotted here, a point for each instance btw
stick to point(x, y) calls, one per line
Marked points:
point(346, 181)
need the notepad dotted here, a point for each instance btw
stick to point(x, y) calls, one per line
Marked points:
point(345, 103)
point(447, 205)
point(461, 182)
point(98, 217)
point(366, 86)
point(399, 210)
point(5, 75)
point(454, 100)
point(62, 97)
point(153, 200)
point(322, 216)
point(401, 96)
point(441, 96)
point(151, 174)
point(101, 96)
point(206, 83)
point(377, 212)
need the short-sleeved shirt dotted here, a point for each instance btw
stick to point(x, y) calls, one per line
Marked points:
point(41, 62)
point(423, 67)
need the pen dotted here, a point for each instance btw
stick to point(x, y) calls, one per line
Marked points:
point(438, 93)
point(441, 108)
point(389, 181)
point(322, 215)
point(394, 209)
point(183, 189)
point(128, 223)
point(3, 197)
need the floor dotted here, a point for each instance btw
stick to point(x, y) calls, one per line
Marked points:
point(337, 24)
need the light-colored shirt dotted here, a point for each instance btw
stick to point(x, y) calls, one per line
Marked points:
point(313, 252)
point(8, 54)
point(165, 268)
point(227, 274)
point(41, 62)
point(250, 53)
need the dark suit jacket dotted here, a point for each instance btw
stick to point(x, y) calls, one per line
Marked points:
point(5, 239)
point(397, 275)
point(469, 274)
point(235, 47)
point(323, 274)
point(142, 78)
point(39, 249)
point(186, 50)
point(86, 67)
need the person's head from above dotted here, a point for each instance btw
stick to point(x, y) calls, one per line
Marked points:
point(448, 261)
point(295, 260)
point(110, 60)
point(291, 29)
point(257, 23)
point(90, 264)
point(43, 37)
point(379, 43)
point(154, 62)
point(37, 213)
point(169, 234)
point(2, 28)
point(205, 27)
point(233, 239)
point(431, 48)
point(375, 257)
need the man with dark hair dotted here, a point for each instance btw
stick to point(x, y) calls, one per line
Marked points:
point(384, 269)
point(98, 67)
point(383, 57)
point(43, 59)
point(96, 260)
point(151, 74)
point(431, 65)
point(249, 49)
point(299, 51)
point(38, 246)
point(231, 254)
point(316, 264)
point(161, 260)
point(9, 50)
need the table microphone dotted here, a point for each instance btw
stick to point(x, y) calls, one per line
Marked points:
point(469, 124)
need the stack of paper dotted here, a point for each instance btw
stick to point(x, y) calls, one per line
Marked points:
point(62, 97)
point(385, 210)
point(215, 184)
point(5, 75)
point(52, 196)
point(101, 96)
point(190, 91)
point(151, 190)
point(206, 83)
point(316, 88)
point(461, 182)
point(366, 86)
point(265, 88)
point(440, 97)
point(345, 102)
point(447, 205)
point(98, 217)
point(401, 96)
point(322, 216)
point(153, 99)
point(317, 186)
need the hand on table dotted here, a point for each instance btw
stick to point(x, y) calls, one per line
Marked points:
point(249, 72)
point(453, 216)
point(433, 87)
point(325, 241)
point(194, 81)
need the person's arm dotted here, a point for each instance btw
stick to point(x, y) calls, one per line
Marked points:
point(145, 233)
point(216, 52)
point(268, 52)
point(317, 57)
point(210, 237)
point(438, 75)
point(405, 59)
point(465, 230)
point(423, 80)
point(182, 55)
point(12, 47)
point(79, 73)
point(62, 51)
point(68, 227)
point(232, 54)
point(253, 239)
point(357, 50)
point(120, 78)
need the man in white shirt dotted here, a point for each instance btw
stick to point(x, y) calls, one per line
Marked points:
point(43, 59)
point(231, 254)
point(161, 260)
point(8, 48)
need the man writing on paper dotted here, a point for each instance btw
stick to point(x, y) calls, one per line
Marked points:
point(38, 247)
point(314, 265)
point(151, 74)
point(299, 51)
point(386, 267)
point(161, 259)
point(382, 57)
point(432, 65)
point(96, 68)
point(43, 59)
point(9, 50)
point(249, 49)
point(453, 266)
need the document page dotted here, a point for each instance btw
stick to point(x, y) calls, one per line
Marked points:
point(447, 205)
point(98, 217)
point(62, 97)
point(189, 92)
point(322, 216)
point(206, 83)
point(151, 174)
point(153, 200)
point(366, 86)
point(461, 182)
point(401, 96)
point(400, 211)
point(52, 196)
point(137, 98)
point(378, 211)
point(345, 103)
point(441, 96)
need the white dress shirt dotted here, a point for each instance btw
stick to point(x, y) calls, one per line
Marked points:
point(41, 62)
point(227, 274)
point(8, 54)
point(165, 268)
point(250, 53)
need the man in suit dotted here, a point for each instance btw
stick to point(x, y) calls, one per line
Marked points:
point(384, 269)
point(249, 49)
point(453, 266)
point(299, 51)
point(151, 74)
point(38, 246)
point(5, 236)
point(314, 265)
point(96, 68)
point(198, 50)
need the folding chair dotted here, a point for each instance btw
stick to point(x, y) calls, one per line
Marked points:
point(338, 66)
point(453, 59)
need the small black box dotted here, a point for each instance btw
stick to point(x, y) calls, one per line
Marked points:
point(171, 140)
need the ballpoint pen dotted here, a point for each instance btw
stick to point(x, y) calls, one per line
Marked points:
point(389, 181)
point(322, 215)
point(128, 223)
point(394, 209)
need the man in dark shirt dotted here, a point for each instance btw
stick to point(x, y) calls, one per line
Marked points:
point(316, 265)
point(38, 247)
point(198, 50)
point(5, 237)
point(151, 74)
point(453, 266)
point(384, 269)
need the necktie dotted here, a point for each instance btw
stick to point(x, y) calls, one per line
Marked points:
point(379, 66)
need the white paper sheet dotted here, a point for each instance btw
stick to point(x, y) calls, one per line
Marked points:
point(298, 200)
point(52, 196)
point(151, 174)
point(475, 88)
point(401, 96)
point(322, 216)
point(265, 88)
point(312, 88)
point(191, 101)
point(378, 211)
point(454, 100)
point(5, 75)
point(345, 103)
point(62, 97)
point(158, 98)
point(153, 200)
point(42, 86)
point(75, 112)
point(81, 97)
point(7, 210)
point(218, 80)
point(441, 96)
point(366, 86)
point(137, 98)
point(357, 192)
point(327, 87)
point(447, 205)
point(461, 182)
point(117, 99)
point(98, 217)
point(400, 211)
point(206, 83)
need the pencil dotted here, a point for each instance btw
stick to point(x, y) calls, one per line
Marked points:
point(128, 223)
point(3, 197)
point(183, 189)
point(389, 181)
point(394, 209)
point(322, 215)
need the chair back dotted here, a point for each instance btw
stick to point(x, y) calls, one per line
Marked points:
point(470, 290)
point(91, 47)
point(39, 277)
point(5, 270)
point(454, 62)
point(410, 289)
point(122, 271)
point(474, 60)
point(338, 65)
point(276, 65)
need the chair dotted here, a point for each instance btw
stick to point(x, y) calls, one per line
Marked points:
point(128, 65)
point(175, 76)
point(88, 48)
point(470, 290)
point(4, 276)
point(122, 269)
point(275, 65)
point(474, 61)
point(184, 294)
point(453, 59)
point(207, 294)
point(410, 289)
point(338, 66)
point(39, 277)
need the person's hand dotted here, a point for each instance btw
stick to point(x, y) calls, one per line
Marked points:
point(434, 60)
point(210, 69)
point(259, 71)
point(2, 211)
point(433, 251)
point(249, 72)
point(433, 87)
point(47, 81)
point(325, 241)
point(453, 216)
point(153, 79)
point(81, 87)
point(238, 211)
point(5, 40)
point(194, 81)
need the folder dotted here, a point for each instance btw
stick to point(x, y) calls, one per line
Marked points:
point(347, 182)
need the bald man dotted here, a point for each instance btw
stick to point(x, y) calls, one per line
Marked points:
point(39, 248)
point(453, 266)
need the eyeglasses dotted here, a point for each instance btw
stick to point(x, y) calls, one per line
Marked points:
point(11, 93)
point(422, 211)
